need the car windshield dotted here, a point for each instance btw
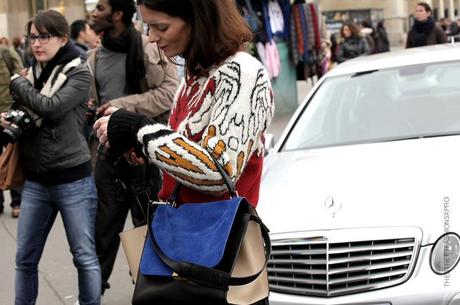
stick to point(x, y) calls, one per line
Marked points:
point(381, 105)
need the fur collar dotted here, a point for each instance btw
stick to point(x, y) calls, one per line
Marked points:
point(50, 89)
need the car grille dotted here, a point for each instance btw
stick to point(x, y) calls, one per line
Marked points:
point(318, 267)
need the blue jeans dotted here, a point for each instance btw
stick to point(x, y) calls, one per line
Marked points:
point(77, 203)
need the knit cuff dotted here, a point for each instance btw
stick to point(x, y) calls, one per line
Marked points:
point(122, 130)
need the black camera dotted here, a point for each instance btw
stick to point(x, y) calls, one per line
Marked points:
point(22, 121)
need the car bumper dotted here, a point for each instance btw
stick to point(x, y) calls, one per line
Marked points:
point(423, 288)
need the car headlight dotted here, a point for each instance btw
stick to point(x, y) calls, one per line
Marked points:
point(445, 253)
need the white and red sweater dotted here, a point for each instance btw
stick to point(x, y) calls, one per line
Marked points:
point(227, 114)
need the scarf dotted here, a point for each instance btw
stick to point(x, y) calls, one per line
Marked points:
point(129, 42)
point(65, 54)
point(421, 30)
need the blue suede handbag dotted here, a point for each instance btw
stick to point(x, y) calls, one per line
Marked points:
point(208, 253)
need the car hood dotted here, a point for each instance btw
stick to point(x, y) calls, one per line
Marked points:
point(400, 183)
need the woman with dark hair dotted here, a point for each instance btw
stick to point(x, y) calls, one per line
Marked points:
point(424, 32)
point(56, 159)
point(223, 106)
point(353, 44)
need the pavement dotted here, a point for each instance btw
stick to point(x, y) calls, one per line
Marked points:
point(57, 274)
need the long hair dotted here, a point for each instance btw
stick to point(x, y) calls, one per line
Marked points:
point(218, 30)
point(353, 29)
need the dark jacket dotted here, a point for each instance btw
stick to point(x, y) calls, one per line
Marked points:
point(383, 44)
point(83, 49)
point(58, 143)
point(436, 36)
point(352, 47)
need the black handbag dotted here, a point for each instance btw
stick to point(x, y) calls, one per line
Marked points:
point(210, 253)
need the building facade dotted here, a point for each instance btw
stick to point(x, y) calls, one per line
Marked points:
point(396, 14)
point(14, 15)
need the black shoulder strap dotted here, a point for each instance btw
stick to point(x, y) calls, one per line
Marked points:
point(8, 60)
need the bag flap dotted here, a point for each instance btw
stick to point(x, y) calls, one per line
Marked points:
point(194, 232)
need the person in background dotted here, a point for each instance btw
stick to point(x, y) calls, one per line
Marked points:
point(16, 55)
point(223, 107)
point(83, 36)
point(4, 42)
point(10, 64)
point(353, 44)
point(334, 47)
point(368, 32)
point(424, 31)
point(18, 46)
point(383, 44)
point(131, 73)
point(443, 23)
point(56, 159)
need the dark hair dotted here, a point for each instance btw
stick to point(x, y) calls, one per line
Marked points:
point(425, 5)
point(49, 21)
point(367, 24)
point(353, 29)
point(218, 30)
point(16, 42)
point(77, 27)
point(127, 7)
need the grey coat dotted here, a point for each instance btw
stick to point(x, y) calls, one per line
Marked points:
point(59, 142)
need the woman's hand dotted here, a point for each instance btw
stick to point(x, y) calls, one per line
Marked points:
point(100, 128)
point(23, 72)
point(106, 109)
point(4, 123)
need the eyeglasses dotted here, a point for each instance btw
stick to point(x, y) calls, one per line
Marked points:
point(42, 38)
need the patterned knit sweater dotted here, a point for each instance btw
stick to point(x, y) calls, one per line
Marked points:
point(225, 114)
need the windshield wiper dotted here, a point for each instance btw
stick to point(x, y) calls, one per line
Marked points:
point(444, 134)
point(422, 136)
point(357, 74)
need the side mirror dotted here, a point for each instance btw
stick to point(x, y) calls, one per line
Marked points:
point(269, 143)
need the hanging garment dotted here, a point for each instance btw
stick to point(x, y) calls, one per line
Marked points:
point(261, 52)
point(286, 9)
point(310, 32)
point(299, 36)
point(251, 17)
point(273, 59)
point(316, 32)
point(275, 16)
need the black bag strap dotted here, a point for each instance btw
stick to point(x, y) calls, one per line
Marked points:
point(209, 276)
point(205, 275)
point(227, 180)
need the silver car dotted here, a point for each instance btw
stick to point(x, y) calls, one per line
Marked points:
point(362, 191)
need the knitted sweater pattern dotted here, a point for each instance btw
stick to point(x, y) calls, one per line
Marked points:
point(225, 114)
